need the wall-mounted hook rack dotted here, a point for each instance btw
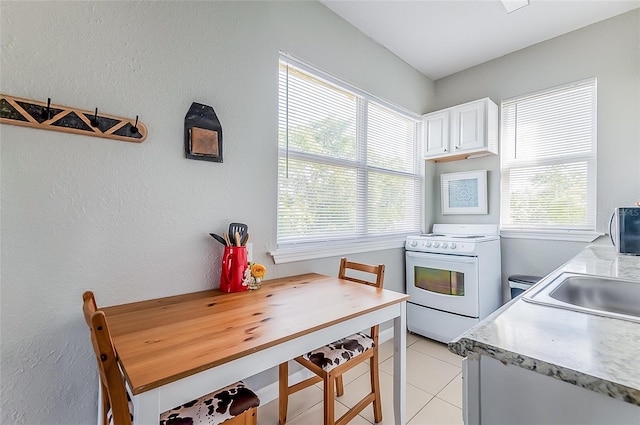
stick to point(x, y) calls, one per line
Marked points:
point(35, 114)
point(94, 120)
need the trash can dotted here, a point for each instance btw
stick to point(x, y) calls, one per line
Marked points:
point(521, 282)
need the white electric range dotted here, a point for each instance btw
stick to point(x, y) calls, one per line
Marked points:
point(453, 278)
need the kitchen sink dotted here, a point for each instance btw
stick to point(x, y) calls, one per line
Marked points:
point(601, 296)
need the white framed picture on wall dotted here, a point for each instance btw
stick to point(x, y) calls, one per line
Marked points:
point(464, 193)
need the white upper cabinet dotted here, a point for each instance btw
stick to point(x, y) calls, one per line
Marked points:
point(462, 131)
point(467, 127)
point(436, 131)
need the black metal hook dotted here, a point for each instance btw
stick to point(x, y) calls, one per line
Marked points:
point(134, 129)
point(46, 114)
point(94, 120)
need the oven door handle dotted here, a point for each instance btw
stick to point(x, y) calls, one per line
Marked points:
point(442, 257)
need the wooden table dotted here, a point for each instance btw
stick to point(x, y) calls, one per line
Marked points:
point(175, 349)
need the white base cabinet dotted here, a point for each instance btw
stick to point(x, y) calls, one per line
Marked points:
point(495, 393)
point(462, 131)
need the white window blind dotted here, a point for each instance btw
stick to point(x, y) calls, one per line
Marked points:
point(349, 168)
point(548, 160)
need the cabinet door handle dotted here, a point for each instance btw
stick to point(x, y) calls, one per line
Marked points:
point(457, 147)
point(445, 149)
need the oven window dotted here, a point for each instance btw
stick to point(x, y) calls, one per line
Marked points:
point(440, 281)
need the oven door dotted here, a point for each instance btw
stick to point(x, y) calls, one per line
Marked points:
point(443, 282)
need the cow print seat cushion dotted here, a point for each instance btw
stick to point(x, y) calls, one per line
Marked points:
point(214, 408)
point(211, 409)
point(338, 352)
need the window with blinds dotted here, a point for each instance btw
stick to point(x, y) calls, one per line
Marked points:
point(548, 159)
point(349, 166)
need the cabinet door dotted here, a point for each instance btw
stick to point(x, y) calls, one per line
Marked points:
point(468, 126)
point(436, 133)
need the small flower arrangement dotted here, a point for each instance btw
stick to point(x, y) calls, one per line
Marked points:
point(253, 275)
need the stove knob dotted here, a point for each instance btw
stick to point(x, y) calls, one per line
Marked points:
point(414, 243)
point(427, 244)
point(453, 245)
point(444, 244)
point(436, 244)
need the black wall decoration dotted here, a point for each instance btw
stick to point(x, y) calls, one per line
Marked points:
point(202, 134)
point(35, 114)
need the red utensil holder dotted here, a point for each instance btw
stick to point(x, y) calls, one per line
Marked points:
point(234, 265)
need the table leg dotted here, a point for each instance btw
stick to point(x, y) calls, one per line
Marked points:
point(146, 408)
point(400, 366)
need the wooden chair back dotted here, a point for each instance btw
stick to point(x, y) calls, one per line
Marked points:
point(378, 271)
point(111, 379)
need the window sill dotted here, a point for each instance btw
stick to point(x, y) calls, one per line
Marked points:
point(314, 251)
point(552, 235)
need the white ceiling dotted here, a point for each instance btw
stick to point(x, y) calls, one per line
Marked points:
point(440, 38)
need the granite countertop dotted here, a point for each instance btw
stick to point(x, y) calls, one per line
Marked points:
point(594, 352)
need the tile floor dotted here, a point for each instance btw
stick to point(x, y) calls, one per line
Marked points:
point(434, 390)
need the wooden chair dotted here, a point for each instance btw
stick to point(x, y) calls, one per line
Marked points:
point(328, 363)
point(117, 408)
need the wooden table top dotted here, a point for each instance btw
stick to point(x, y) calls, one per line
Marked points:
point(160, 341)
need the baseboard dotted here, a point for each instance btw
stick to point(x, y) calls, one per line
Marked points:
point(269, 392)
point(385, 335)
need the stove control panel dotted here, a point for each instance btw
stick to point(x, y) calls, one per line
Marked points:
point(422, 244)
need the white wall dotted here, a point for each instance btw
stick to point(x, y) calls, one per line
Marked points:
point(131, 221)
point(610, 51)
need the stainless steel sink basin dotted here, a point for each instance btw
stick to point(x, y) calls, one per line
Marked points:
point(602, 296)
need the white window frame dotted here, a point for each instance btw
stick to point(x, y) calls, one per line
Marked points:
point(551, 232)
point(298, 251)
